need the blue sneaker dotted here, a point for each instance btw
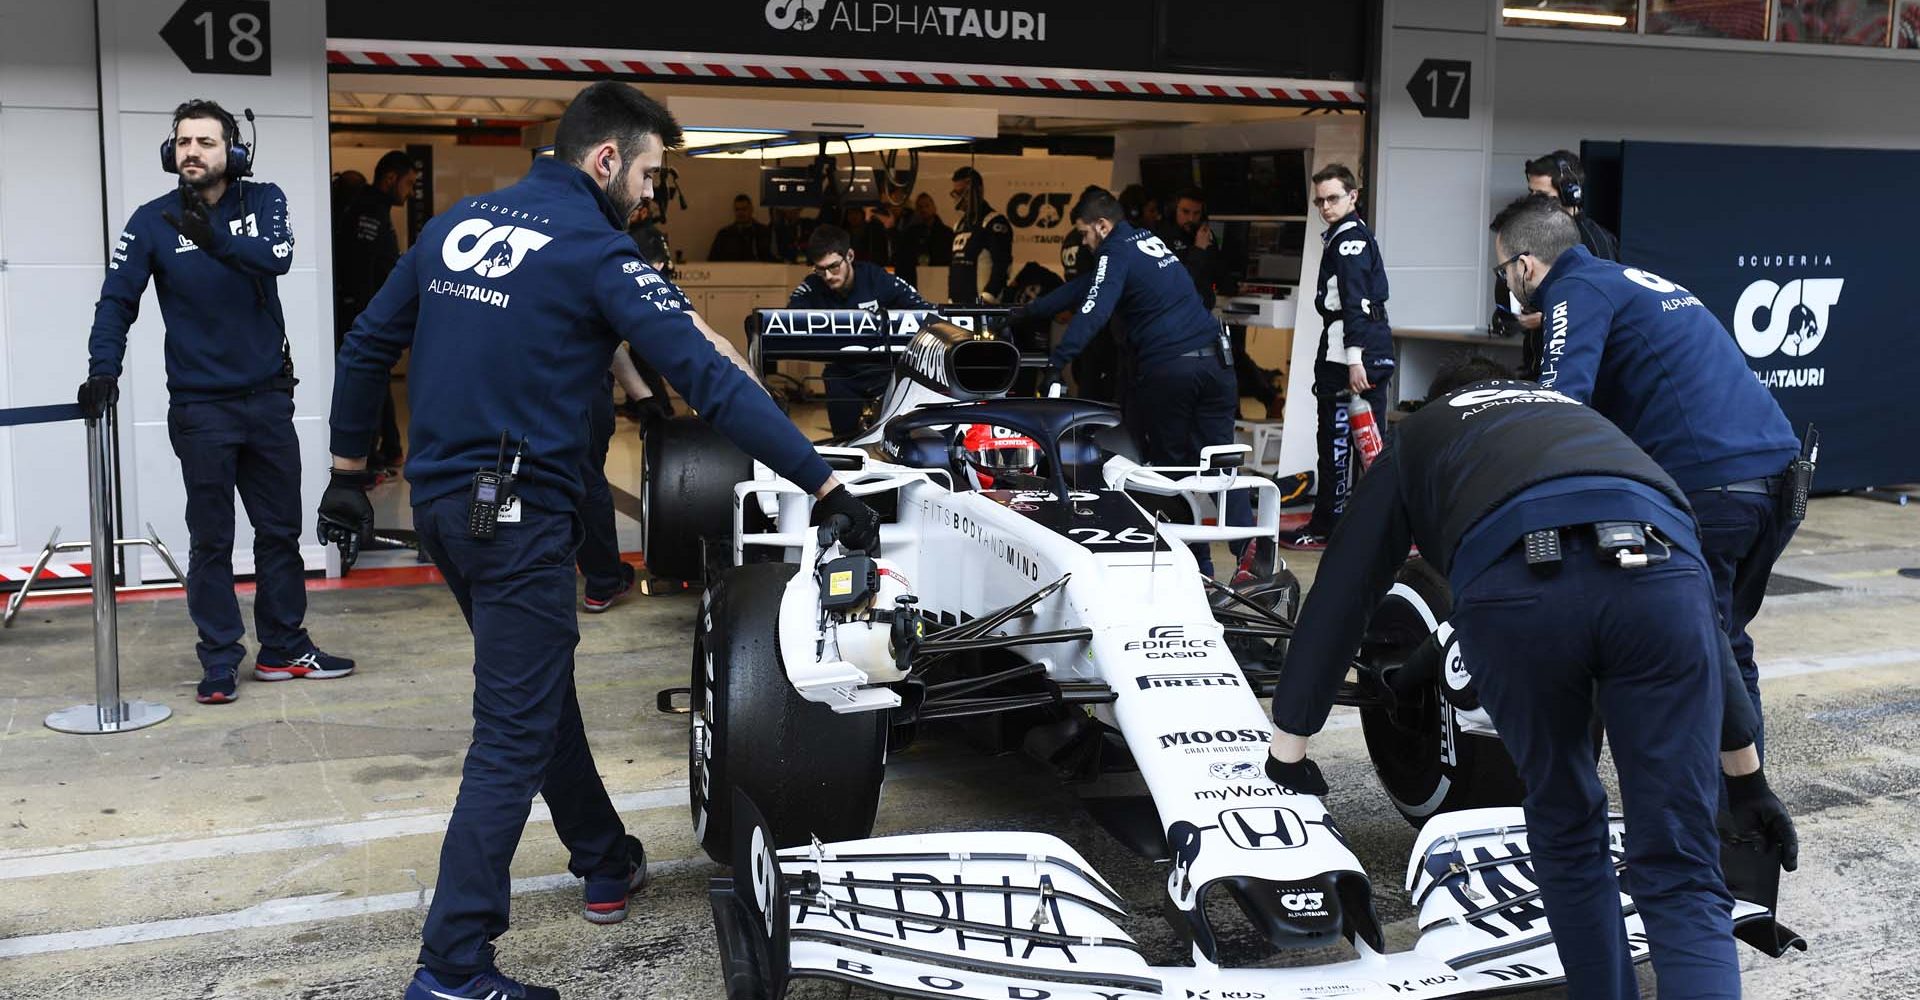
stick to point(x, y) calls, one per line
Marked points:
point(489, 985)
point(607, 897)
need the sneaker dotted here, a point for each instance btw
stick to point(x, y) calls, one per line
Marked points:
point(489, 985)
point(607, 898)
point(216, 688)
point(595, 605)
point(1304, 540)
point(313, 665)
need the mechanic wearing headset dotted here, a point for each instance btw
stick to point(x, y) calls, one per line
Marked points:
point(1577, 581)
point(1183, 383)
point(512, 302)
point(979, 231)
point(840, 281)
point(1557, 175)
point(215, 248)
point(1356, 346)
point(1649, 356)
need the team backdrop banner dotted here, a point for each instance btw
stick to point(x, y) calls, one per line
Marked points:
point(1804, 255)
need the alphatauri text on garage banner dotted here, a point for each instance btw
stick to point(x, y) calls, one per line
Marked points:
point(1799, 253)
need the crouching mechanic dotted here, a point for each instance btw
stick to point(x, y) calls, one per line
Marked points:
point(512, 302)
point(1577, 578)
point(840, 281)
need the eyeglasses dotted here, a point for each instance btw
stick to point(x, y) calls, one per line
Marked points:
point(1331, 200)
point(1500, 269)
point(829, 266)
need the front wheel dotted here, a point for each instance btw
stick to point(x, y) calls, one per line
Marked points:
point(686, 495)
point(1426, 762)
point(812, 772)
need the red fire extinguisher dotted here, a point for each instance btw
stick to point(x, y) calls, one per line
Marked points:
point(1366, 433)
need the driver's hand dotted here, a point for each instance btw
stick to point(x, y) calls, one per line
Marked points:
point(1530, 320)
point(1203, 237)
point(1357, 378)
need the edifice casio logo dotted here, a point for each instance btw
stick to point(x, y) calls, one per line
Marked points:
point(869, 17)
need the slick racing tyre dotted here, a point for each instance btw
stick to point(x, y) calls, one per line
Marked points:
point(1426, 763)
point(811, 771)
point(686, 495)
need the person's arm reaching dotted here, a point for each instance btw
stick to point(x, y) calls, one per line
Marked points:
point(269, 254)
point(363, 367)
point(1103, 294)
point(1061, 299)
point(1368, 547)
point(1576, 321)
point(653, 318)
point(895, 293)
point(724, 346)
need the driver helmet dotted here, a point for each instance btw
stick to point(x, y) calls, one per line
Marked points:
point(994, 450)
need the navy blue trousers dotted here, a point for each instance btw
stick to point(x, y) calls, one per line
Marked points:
point(516, 592)
point(849, 385)
point(600, 540)
point(1339, 467)
point(1184, 405)
point(244, 444)
point(1741, 538)
point(1644, 645)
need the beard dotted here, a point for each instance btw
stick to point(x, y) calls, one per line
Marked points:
point(207, 178)
point(623, 204)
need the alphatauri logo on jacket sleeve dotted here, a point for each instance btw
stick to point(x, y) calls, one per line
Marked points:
point(489, 250)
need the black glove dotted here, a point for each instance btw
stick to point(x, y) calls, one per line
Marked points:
point(841, 515)
point(1018, 317)
point(1755, 820)
point(192, 222)
point(346, 515)
point(650, 411)
point(97, 394)
point(1050, 378)
point(1302, 776)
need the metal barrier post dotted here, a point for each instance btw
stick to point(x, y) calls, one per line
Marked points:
point(107, 713)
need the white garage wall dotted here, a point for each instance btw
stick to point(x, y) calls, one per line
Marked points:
point(1550, 95)
point(53, 249)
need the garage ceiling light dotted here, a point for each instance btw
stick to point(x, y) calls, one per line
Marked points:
point(701, 138)
point(1564, 17)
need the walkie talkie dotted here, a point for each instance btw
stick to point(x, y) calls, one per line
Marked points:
point(1800, 476)
point(490, 490)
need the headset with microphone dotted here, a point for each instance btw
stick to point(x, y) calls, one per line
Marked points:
point(239, 154)
point(1566, 180)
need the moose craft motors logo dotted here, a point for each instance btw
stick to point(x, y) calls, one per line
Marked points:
point(935, 21)
point(1787, 318)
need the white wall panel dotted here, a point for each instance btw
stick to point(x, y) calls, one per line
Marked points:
point(50, 186)
point(46, 55)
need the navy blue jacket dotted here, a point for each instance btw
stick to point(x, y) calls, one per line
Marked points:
point(872, 288)
point(512, 302)
point(225, 333)
point(1136, 277)
point(988, 233)
point(1352, 298)
point(1646, 353)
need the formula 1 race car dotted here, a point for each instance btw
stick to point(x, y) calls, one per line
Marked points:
point(1049, 601)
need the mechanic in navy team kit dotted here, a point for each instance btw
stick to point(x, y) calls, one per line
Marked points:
point(979, 232)
point(512, 303)
point(1183, 381)
point(364, 251)
point(841, 281)
point(214, 249)
point(1649, 356)
point(1355, 356)
point(1577, 583)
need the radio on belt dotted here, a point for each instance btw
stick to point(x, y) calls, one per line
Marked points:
point(492, 490)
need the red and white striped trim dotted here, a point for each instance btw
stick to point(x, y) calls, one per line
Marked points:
point(374, 56)
point(52, 571)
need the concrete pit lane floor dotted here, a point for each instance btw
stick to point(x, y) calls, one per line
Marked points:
point(282, 846)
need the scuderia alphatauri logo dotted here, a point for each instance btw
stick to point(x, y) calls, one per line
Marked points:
point(487, 249)
point(1788, 318)
point(876, 17)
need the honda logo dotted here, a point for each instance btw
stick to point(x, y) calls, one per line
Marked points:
point(1270, 828)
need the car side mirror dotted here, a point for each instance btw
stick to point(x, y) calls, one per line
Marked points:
point(1224, 456)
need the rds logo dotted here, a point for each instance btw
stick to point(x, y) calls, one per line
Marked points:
point(1789, 318)
point(1046, 210)
point(488, 250)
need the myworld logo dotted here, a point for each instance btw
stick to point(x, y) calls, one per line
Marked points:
point(931, 20)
